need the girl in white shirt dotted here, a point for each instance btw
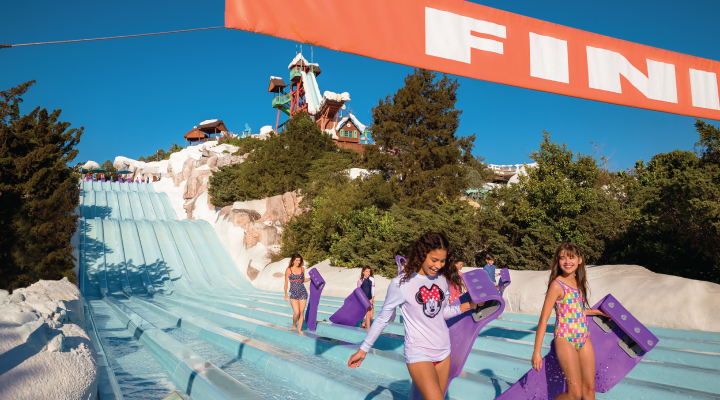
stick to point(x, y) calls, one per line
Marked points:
point(422, 292)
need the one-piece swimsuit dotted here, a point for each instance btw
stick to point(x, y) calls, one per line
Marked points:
point(297, 287)
point(570, 320)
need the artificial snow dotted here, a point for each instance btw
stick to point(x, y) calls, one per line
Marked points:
point(91, 165)
point(45, 352)
point(265, 131)
point(355, 121)
point(208, 121)
point(295, 60)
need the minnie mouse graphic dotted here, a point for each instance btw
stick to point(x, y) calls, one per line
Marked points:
point(431, 299)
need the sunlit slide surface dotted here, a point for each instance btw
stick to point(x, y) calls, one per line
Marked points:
point(167, 310)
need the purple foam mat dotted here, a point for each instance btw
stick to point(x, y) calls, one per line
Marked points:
point(317, 284)
point(352, 310)
point(619, 342)
point(400, 261)
point(465, 327)
point(504, 280)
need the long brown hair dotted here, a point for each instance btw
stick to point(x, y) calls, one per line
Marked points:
point(419, 251)
point(362, 272)
point(571, 249)
point(292, 260)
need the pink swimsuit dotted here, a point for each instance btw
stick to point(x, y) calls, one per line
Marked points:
point(570, 320)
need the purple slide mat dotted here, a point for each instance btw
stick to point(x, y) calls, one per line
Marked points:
point(465, 327)
point(400, 261)
point(353, 309)
point(504, 281)
point(317, 284)
point(619, 343)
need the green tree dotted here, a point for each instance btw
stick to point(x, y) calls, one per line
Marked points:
point(38, 192)
point(674, 203)
point(709, 142)
point(477, 173)
point(563, 197)
point(279, 164)
point(111, 170)
point(416, 128)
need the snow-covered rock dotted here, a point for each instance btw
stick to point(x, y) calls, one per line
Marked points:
point(90, 165)
point(265, 132)
point(45, 351)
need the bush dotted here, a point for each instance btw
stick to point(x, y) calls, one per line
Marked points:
point(279, 164)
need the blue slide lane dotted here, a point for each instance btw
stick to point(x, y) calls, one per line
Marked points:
point(168, 310)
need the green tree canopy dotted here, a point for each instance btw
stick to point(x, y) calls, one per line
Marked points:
point(675, 205)
point(281, 163)
point(38, 192)
point(417, 129)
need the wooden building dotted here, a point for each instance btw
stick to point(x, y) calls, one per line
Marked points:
point(208, 130)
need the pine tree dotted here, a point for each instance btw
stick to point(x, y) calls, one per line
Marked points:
point(38, 193)
point(416, 128)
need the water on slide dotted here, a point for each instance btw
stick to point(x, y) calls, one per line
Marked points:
point(163, 291)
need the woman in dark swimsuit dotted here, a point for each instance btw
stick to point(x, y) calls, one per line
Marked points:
point(295, 278)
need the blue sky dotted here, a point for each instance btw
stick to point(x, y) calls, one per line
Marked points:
point(134, 96)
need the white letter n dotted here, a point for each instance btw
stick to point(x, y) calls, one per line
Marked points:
point(447, 35)
point(605, 68)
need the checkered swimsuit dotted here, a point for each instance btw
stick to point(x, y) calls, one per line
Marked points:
point(297, 288)
point(570, 321)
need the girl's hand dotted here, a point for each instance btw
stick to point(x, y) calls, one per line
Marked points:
point(597, 312)
point(465, 307)
point(536, 361)
point(286, 298)
point(356, 359)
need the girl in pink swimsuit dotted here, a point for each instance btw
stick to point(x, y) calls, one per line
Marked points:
point(422, 292)
point(567, 295)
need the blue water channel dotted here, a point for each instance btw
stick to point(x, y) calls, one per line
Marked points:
point(167, 310)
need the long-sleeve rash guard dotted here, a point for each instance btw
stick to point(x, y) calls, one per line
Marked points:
point(372, 286)
point(423, 301)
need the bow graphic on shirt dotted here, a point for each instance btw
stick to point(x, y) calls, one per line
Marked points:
point(431, 300)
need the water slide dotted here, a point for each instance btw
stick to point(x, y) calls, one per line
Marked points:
point(312, 92)
point(168, 310)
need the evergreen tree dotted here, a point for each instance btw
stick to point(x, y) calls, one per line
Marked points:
point(280, 164)
point(38, 193)
point(111, 170)
point(416, 128)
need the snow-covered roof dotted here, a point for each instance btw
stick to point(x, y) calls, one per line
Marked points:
point(355, 121)
point(332, 133)
point(207, 121)
point(297, 58)
point(274, 77)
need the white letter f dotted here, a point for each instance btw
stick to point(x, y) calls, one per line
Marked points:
point(447, 35)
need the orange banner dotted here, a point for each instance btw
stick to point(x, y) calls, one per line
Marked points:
point(471, 40)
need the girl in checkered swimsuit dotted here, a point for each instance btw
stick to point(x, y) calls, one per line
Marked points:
point(567, 295)
point(295, 276)
point(422, 293)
